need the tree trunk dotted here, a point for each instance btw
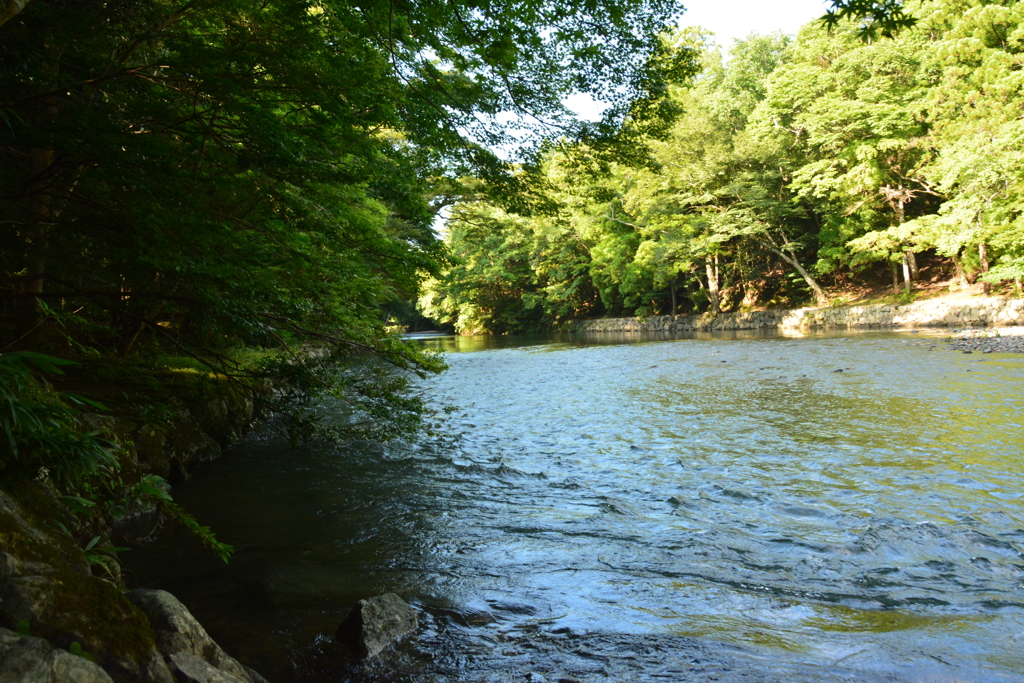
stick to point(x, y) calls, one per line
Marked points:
point(712, 271)
point(129, 334)
point(895, 276)
point(673, 290)
point(39, 161)
point(983, 259)
point(819, 294)
point(906, 273)
point(911, 258)
point(41, 204)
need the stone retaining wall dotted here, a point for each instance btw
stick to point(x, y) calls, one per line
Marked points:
point(980, 312)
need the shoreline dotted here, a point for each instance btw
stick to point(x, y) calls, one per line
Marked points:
point(988, 340)
point(955, 312)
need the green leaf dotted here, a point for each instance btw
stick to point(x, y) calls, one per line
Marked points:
point(76, 649)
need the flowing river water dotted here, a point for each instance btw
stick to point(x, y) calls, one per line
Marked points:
point(723, 508)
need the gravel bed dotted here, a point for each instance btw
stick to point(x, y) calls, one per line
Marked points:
point(988, 340)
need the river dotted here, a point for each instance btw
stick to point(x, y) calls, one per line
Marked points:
point(732, 507)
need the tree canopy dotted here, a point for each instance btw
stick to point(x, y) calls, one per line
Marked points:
point(203, 174)
point(797, 164)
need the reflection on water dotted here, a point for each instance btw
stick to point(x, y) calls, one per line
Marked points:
point(829, 508)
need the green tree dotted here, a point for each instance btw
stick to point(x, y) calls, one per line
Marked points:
point(976, 127)
point(491, 286)
point(855, 112)
point(798, 161)
point(719, 200)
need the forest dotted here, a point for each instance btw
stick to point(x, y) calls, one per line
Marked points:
point(796, 169)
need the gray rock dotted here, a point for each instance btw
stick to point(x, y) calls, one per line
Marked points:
point(25, 659)
point(376, 623)
point(52, 611)
point(9, 566)
point(45, 581)
point(177, 631)
point(191, 669)
point(254, 676)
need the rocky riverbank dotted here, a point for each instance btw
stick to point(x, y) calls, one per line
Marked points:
point(953, 312)
point(998, 340)
point(60, 622)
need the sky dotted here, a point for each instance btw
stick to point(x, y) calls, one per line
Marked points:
point(730, 20)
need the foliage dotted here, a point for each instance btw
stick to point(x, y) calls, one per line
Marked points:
point(153, 488)
point(46, 441)
point(40, 428)
point(796, 162)
point(191, 179)
point(876, 17)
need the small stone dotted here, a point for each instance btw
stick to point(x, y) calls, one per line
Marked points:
point(376, 623)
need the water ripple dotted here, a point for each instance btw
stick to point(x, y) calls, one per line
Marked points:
point(858, 525)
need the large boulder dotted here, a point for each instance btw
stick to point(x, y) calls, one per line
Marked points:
point(376, 623)
point(179, 633)
point(26, 659)
point(227, 416)
point(45, 585)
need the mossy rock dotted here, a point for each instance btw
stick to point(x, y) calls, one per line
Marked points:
point(54, 594)
point(151, 446)
point(22, 529)
point(226, 417)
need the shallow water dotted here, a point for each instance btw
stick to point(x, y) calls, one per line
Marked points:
point(730, 509)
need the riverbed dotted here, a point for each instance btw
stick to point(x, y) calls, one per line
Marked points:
point(730, 507)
